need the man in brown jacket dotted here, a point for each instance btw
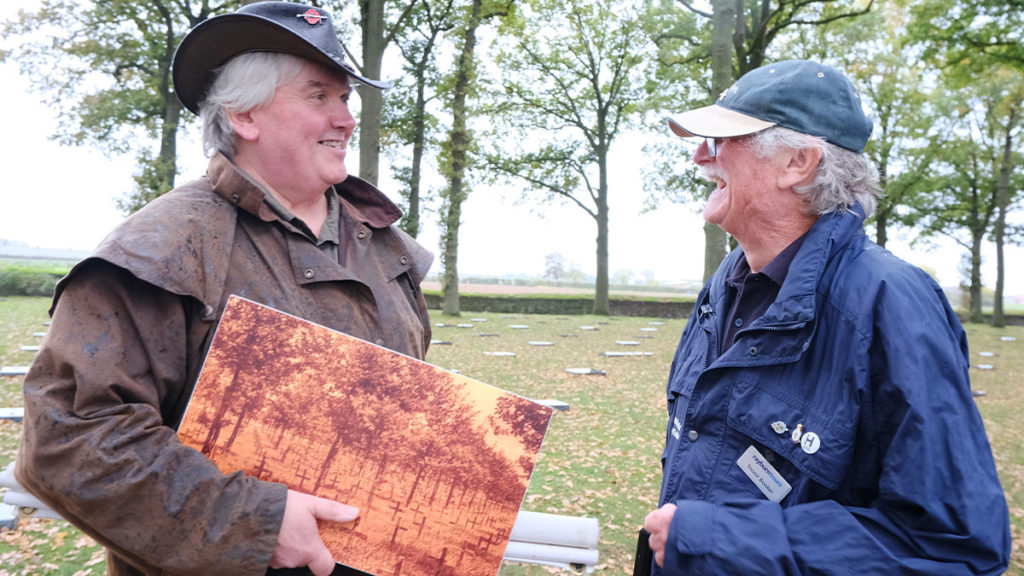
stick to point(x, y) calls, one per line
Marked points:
point(276, 219)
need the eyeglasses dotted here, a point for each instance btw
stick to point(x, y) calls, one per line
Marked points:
point(712, 146)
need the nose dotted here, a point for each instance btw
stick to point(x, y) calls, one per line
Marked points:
point(702, 156)
point(341, 117)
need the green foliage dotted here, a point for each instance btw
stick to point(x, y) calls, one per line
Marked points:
point(28, 280)
point(579, 78)
point(104, 67)
point(971, 33)
point(576, 75)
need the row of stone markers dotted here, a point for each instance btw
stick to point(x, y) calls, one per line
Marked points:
point(22, 370)
point(647, 333)
point(9, 509)
point(987, 363)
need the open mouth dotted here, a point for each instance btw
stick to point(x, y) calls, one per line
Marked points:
point(718, 181)
point(333, 143)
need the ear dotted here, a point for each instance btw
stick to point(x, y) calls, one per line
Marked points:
point(244, 125)
point(801, 168)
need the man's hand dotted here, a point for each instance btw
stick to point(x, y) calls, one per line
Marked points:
point(299, 543)
point(658, 523)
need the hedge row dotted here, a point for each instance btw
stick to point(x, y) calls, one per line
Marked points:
point(27, 281)
point(564, 304)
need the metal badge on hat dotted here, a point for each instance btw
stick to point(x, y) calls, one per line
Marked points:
point(312, 17)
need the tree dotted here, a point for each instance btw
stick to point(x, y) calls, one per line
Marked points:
point(554, 266)
point(751, 27)
point(966, 183)
point(967, 31)
point(456, 154)
point(888, 70)
point(377, 33)
point(105, 68)
point(977, 45)
point(580, 72)
point(406, 108)
point(1004, 123)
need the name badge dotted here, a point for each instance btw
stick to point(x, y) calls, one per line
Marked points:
point(763, 475)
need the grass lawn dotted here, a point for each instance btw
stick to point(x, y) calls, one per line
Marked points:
point(600, 458)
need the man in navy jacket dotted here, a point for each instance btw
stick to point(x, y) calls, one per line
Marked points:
point(820, 412)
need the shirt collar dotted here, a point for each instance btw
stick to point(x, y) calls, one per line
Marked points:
point(776, 270)
point(363, 200)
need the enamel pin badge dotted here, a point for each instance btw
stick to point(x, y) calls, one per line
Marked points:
point(312, 16)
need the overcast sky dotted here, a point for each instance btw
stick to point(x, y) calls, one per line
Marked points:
point(63, 197)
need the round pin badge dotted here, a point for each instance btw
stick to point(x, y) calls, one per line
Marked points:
point(797, 433)
point(311, 16)
point(779, 427)
point(810, 443)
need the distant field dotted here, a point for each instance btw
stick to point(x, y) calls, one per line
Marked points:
point(600, 459)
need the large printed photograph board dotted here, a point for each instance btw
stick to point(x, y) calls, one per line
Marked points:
point(436, 462)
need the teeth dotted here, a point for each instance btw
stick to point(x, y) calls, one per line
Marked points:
point(333, 143)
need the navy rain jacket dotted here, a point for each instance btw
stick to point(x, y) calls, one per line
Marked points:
point(862, 350)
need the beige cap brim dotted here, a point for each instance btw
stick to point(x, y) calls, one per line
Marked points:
point(715, 122)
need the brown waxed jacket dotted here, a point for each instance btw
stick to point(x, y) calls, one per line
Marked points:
point(131, 326)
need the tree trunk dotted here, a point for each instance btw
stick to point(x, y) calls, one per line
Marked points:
point(168, 155)
point(724, 26)
point(883, 209)
point(601, 304)
point(999, 229)
point(459, 143)
point(881, 227)
point(411, 219)
point(372, 12)
point(976, 315)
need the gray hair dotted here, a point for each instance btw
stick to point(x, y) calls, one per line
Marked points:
point(844, 177)
point(245, 82)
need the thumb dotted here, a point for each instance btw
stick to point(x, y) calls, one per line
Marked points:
point(325, 509)
point(322, 563)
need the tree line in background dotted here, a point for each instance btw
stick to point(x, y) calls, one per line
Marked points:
point(532, 96)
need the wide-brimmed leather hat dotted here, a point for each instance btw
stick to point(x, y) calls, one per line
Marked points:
point(801, 95)
point(304, 31)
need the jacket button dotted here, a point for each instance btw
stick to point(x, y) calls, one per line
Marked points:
point(752, 351)
point(692, 435)
point(208, 313)
point(309, 274)
point(235, 198)
point(380, 341)
point(361, 234)
point(405, 260)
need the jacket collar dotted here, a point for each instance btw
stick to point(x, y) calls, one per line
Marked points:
point(796, 300)
point(364, 201)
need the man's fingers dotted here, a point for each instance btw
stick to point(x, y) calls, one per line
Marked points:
point(325, 509)
point(658, 523)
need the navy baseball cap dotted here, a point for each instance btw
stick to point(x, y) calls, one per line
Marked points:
point(304, 31)
point(801, 95)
